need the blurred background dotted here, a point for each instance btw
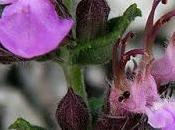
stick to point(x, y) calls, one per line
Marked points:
point(32, 90)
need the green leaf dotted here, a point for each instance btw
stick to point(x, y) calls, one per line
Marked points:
point(96, 105)
point(132, 12)
point(69, 4)
point(99, 50)
point(21, 124)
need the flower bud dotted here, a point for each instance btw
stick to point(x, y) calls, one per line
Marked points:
point(72, 112)
point(91, 18)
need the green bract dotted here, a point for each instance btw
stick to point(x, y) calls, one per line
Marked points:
point(99, 50)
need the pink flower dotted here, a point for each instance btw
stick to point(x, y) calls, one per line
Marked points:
point(144, 99)
point(143, 93)
point(31, 28)
point(7, 1)
point(163, 69)
point(140, 93)
point(162, 115)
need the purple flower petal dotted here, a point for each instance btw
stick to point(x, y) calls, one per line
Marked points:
point(169, 127)
point(143, 93)
point(163, 69)
point(162, 115)
point(7, 1)
point(31, 28)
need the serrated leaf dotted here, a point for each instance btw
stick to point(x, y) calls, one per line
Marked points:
point(21, 124)
point(91, 16)
point(99, 50)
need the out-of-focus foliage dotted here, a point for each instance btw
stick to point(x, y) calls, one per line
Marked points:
point(96, 105)
point(21, 124)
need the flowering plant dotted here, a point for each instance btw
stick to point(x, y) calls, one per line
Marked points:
point(31, 29)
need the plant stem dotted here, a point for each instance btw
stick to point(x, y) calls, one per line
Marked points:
point(77, 81)
point(73, 74)
point(74, 77)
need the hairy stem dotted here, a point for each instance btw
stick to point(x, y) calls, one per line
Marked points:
point(74, 77)
point(77, 81)
point(73, 74)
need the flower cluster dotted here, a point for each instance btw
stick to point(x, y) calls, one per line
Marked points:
point(140, 94)
point(31, 28)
